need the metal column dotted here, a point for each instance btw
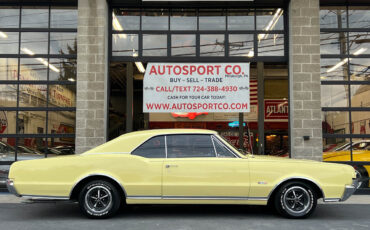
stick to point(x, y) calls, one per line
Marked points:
point(261, 108)
point(130, 96)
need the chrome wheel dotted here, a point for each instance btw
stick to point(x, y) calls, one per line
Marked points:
point(359, 177)
point(297, 200)
point(98, 199)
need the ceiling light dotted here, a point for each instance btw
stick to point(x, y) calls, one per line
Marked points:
point(117, 26)
point(139, 65)
point(71, 79)
point(43, 61)
point(360, 51)
point(250, 53)
point(3, 35)
point(344, 61)
point(27, 51)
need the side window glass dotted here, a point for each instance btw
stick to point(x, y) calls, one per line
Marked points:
point(221, 150)
point(192, 145)
point(152, 148)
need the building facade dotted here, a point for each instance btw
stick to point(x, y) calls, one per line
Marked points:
point(71, 73)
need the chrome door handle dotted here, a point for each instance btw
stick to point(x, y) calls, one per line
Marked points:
point(168, 166)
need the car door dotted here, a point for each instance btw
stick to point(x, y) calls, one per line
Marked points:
point(194, 169)
point(143, 174)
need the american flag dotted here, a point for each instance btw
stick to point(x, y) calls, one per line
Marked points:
point(253, 92)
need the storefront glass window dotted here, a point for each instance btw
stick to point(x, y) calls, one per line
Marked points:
point(183, 19)
point(212, 45)
point(154, 45)
point(9, 17)
point(359, 17)
point(212, 19)
point(346, 103)
point(242, 19)
point(333, 43)
point(63, 43)
point(154, 20)
point(124, 19)
point(333, 17)
point(333, 69)
point(270, 44)
point(34, 43)
point(35, 17)
point(9, 42)
point(241, 45)
point(45, 86)
point(270, 19)
point(125, 45)
point(183, 45)
point(63, 17)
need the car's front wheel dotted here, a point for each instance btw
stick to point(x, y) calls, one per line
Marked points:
point(99, 199)
point(295, 200)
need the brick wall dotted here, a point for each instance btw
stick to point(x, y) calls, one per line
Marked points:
point(91, 74)
point(305, 94)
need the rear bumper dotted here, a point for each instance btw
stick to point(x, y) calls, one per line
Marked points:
point(11, 188)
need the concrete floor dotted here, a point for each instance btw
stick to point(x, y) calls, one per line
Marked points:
point(17, 215)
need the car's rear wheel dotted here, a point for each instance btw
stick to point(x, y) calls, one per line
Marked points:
point(295, 200)
point(99, 199)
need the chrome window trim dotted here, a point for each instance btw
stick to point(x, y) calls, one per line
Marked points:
point(165, 145)
point(97, 174)
point(214, 146)
point(230, 150)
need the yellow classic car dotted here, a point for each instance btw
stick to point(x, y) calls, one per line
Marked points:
point(179, 166)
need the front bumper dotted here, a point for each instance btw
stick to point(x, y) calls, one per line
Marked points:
point(11, 188)
point(349, 190)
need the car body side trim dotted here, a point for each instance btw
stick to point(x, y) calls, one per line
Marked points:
point(298, 178)
point(331, 199)
point(41, 197)
point(197, 198)
point(97, 174)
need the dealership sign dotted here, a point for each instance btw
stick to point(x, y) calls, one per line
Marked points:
point(276, 109)
point(200, 87)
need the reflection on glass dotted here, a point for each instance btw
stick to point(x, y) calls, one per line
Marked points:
point(8, 97)
point(360, 96)
point(334, 96)
point(333, 17)
point(212, 45)
point(32, 95)
point(63, 17)
point(360, 70)
point(183, 19)
point(63, 69)
point(63, 43)
point(154, 45)
point(333, 69)
point(123, 19)
point(7, 120)
point(333, 43)
point(359, 17)
point(183, 45)
point(155, 20)
point(241, 45)
point(270, 19)
point(125, 45)
point(7, 150)
point(9, 17)
point(242, 19)
point(34, 43)
point(30, 148)
point(32, 69)
point(35, 17)
point(336, 149)
point(335, 122)
point(270, 44)
point(212, 19)
point(360, 121)
point(31, 122)
point(8, 69)
point(9, 42)
point(359, 43)
point(62, 95)
point(61, 123)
